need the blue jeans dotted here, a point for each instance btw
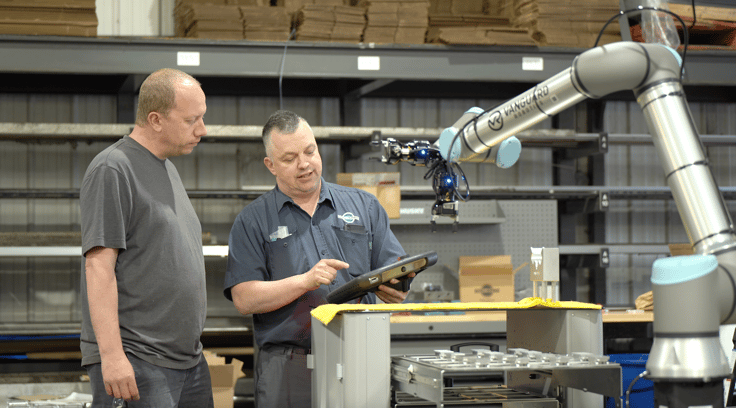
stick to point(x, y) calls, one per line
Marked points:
point(159, 387)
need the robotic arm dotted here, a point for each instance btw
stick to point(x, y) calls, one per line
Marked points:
point(686, 362)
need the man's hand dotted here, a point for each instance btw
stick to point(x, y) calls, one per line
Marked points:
point(390, 295)
point(323, 273)
point(119, 378)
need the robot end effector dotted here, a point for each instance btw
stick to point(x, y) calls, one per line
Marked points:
point(441, 162)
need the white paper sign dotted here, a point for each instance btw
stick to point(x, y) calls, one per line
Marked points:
point(369, 63)
point(532, 64)
point(187, 58)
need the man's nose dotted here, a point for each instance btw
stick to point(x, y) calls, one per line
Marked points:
point(202, 129)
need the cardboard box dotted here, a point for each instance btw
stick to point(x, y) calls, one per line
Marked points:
point(385, 186)
point(223, 378)
point(486, 279)
point(681, 249)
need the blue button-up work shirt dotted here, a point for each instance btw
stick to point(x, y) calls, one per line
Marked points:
point(273, 238)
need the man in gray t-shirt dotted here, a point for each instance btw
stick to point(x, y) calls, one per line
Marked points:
point(143, 278)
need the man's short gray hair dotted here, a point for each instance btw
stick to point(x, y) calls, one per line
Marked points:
point(283, 121)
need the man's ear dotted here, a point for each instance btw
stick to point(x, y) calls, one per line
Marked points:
point(269, 165)
point(154, 119)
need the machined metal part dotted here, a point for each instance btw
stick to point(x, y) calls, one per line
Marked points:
point(693, 358)
point(432, 377)
point(478, 395)
point(689, 351)
point(699, 202)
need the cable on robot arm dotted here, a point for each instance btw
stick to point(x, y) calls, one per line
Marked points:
point(442, 174)
point(465, 180)
point(639, 9)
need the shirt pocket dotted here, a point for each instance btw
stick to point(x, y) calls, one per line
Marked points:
point(285, 258)
point(355, 249)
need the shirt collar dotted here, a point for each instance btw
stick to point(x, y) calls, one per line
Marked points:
point(325, 195)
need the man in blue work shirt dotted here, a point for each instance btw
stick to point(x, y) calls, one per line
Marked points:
point(294, 245)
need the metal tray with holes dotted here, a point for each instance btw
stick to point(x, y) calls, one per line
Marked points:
point(476, 378)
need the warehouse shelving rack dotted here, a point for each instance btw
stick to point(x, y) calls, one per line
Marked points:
point(352, 71)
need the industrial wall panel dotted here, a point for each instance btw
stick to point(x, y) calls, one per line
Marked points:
point(14, 108)
point(55, 284)
point(94, 109)
point(134, 17)
point(14, 290)
point(255, 110)
point(51, 108)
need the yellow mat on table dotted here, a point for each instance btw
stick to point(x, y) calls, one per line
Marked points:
point(326, 313)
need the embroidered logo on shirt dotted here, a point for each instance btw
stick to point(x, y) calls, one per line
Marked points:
point(348, 217)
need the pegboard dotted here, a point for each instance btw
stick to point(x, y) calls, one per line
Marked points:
point(523, 224)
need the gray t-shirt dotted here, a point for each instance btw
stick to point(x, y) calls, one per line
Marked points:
point(134, 201)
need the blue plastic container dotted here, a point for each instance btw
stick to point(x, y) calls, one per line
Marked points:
point(642, 394)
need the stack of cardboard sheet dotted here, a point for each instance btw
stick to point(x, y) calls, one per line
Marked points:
point(315, 23)
point(293, 6)
point(413, 22)
point(213, 22)
point(337, 23)
point(264, 23)
point(396, 21)
point(712, 28)
point(48, 17)
point(473, 22)
point(479, 35)
point(705, 13)
point(457, 7)
point(382, 19)
point(572, 23)
point(213, 19)
point(349, 24)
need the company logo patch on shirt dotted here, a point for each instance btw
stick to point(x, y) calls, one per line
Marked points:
point(349, 217)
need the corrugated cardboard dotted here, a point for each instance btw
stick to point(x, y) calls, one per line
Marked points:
point(223, 378)
point(55, 4)
point(681, 249)
point(486, 279)
point(385, 186)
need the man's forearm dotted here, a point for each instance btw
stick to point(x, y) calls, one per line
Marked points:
point(102, 296)
point(266, 296)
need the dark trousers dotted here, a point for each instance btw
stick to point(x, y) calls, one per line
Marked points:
point(282, 378)
point(159, 387)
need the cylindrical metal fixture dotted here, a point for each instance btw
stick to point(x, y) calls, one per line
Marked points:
point(686, 339)
point(700, 204)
